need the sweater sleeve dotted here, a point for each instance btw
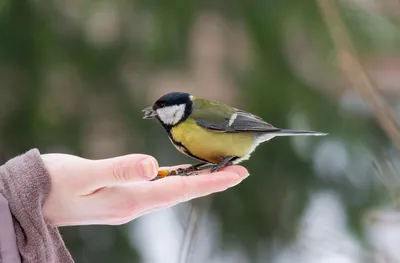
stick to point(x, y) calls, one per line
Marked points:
point(25, 183)
point(8, 241)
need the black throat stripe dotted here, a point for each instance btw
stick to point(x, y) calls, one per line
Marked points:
point(186, 151)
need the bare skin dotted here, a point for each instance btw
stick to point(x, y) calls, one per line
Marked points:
point(117, 190)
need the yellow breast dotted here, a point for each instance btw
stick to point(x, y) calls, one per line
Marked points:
point(211, 146)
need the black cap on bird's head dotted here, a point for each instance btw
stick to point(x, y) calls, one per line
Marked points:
point(171, 108)
point(171, 99)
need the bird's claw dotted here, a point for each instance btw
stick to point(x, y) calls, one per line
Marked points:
point(183, 172)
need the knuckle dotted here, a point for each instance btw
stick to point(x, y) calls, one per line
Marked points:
point(120, 172)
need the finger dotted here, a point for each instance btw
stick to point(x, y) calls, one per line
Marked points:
point(175, 189)
point(128, 202)
point(124, 169)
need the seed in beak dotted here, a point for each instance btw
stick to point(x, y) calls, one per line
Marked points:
point(149, 113)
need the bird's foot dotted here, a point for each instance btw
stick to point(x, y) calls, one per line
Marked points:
point(224, 163)
point(182, 172)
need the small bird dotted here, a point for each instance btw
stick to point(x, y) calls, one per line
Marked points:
point(214, 133)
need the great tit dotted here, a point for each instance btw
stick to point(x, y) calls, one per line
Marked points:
point(214, 133)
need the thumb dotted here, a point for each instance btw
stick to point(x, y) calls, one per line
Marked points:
point(125, 169)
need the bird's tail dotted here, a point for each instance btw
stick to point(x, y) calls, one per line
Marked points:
point(297, 133)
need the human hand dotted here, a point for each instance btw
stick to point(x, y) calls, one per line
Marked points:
point(117, 190)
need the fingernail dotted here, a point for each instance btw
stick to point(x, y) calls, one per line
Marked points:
point(245, 176)
point(148, 168)
point(237, 181)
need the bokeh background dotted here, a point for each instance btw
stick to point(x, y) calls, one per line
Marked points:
point(75, 75)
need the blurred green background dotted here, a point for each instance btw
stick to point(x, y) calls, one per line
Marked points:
point(75, 76)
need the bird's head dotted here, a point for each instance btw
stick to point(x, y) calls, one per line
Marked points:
point(171, 109)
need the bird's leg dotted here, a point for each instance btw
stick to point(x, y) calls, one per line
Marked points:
point(225, 162)
point(182, 172)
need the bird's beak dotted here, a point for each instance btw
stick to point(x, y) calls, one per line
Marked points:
point(149, 113)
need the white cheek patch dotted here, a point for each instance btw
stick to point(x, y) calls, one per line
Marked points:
point(171, 114)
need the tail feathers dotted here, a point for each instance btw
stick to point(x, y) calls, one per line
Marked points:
point(297, 133)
